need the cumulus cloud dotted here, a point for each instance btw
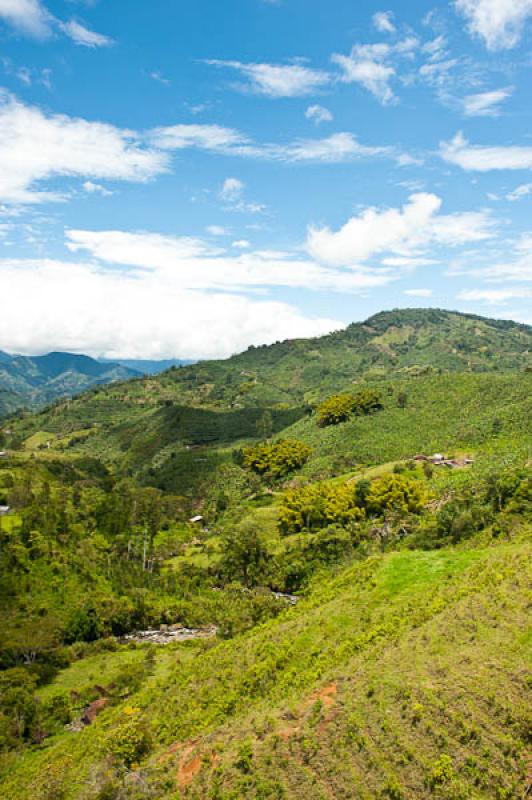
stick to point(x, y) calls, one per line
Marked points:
point(383, 21)
point(486, 104)
point(35, 146)
point(318, 114)
point(499, 23)
point(149, 295)
point(482, 158)
point(277, 80)
point(404, 231)
point(81, 308)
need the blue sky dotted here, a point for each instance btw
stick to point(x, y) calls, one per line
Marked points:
point(194, 176)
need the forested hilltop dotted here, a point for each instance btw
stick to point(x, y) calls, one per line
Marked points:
point(327, 546)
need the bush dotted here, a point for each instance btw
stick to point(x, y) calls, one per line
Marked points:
point(130, 741)
point(395, 493)
point(340, 407)
point(276, 458)
point(318, 505)
point(83, 626)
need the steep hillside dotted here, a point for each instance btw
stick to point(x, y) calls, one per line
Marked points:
point(403, 677)
point(37, 380)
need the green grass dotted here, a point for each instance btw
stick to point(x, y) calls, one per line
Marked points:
point(100, 669)
point(426, 655)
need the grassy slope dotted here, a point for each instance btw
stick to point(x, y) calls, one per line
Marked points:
point(358, 692)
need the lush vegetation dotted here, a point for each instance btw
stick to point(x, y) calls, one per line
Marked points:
point(369, 609)
point(277, 459)
point(340, 407)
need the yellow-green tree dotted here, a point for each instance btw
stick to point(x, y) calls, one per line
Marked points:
point(276, 458)
point(397, 494)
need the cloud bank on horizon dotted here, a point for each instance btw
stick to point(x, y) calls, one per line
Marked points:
point(183, 195)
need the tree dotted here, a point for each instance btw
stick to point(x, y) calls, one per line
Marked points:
point(276, 458)
point(340, 407)
point(335, 409)
point(397, 494)
point(315, 506)
point(246, 558)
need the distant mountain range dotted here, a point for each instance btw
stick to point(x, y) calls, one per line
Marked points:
point(147, 367)
point(34, 381)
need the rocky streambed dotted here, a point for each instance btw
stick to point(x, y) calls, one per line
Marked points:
point(166, 634)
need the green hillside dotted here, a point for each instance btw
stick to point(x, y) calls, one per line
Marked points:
point(404, 676)
point(358, 618)
point(395, 343)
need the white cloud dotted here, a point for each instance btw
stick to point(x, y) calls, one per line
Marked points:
point(318, 114)
point(494, 296)
point(334, 149)
point(401, 231)
point(418, 292)
point(204, 137)
point(192, 264)
point(232, 194)
point(32, 18)
point(157, 76)
point(35, 146)
point(28, 16)
point(372, 75)
point(486, 104)
point(483, 158)
point(83, 36)
point(383, 21)
point(278, 80)
point(519, 192)
point(498, 22)
point(369, 65)
point(171, 296)
point(518, 267)
point(232, 190)
point(82, 308)
point(217, 230)
point(96, 188)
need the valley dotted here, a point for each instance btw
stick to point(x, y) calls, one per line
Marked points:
point(303, 571)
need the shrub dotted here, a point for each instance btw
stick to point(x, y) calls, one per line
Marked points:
point(276, 458)
point(318, 505)
point(396, 493)
point(335, 409)
point(130, 741)
point(340, 407)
